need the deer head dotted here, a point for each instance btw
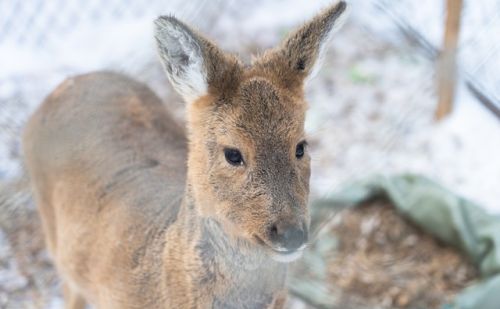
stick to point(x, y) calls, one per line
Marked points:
point(248, 165)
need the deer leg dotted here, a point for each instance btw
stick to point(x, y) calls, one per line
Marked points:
point(72, 300)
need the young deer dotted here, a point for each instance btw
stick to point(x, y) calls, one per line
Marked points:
point(130, 225)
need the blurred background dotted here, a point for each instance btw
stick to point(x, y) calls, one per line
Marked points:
point(381, 104)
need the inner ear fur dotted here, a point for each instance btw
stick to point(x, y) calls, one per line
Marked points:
point(194, 65)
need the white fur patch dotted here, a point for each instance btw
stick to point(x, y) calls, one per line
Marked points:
point(182, 58)
point(287, 258)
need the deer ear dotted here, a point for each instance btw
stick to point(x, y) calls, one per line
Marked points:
point(298, 56)
point(194, 65)
point(182, 57)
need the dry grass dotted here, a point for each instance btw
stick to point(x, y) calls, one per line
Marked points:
point(384, 261)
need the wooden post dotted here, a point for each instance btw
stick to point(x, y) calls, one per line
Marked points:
point(447, 69)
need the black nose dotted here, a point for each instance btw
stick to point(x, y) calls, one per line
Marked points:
point(288, 236)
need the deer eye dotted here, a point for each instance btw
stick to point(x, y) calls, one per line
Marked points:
point(300, 150)
point(233, 156)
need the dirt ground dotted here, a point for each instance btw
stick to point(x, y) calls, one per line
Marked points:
point(384, 261)
point(27, 277)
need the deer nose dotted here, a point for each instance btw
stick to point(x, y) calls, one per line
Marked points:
point(288, 236)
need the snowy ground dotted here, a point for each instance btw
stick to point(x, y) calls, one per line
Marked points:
point(371, 106)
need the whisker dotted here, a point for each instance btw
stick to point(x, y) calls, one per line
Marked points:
point(322, 227)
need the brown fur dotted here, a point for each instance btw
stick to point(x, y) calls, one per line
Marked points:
point(131, 224)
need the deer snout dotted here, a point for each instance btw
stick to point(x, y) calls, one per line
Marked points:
point(287, 236)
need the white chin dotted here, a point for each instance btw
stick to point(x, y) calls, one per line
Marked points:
point(286, 257)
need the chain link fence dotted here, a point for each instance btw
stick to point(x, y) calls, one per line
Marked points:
point(42, 42)
point(359, 123)
point(479, 46)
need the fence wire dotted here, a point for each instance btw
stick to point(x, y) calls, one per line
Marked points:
point(479, 44)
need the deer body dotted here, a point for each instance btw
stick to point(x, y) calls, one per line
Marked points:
point(133, 219)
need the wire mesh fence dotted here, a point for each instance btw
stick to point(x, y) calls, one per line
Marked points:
point(42, 24)
point(368, 103)
point(42, 42)
point(478, 49)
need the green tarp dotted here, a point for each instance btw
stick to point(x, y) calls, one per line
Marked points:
point(450, 218)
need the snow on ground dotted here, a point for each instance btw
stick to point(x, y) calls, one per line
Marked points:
point(371, 105)
point(462, 152)
point(382, 122)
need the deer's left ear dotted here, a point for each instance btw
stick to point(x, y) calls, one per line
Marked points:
point(298, 56)
point(194, 65)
